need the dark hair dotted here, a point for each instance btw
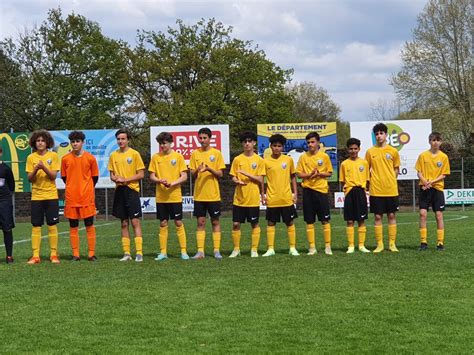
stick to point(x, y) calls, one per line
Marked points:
point(77, 135)
point(434, 135)
point(277, 138)
point(380, 127)
point(123, 131)
point(247, 135)
point(313, 135)
point(206, 131)
point(352, 141)
point(43, 134)
point(164, 137)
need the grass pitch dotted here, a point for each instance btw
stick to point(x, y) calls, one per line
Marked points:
point(407, 302)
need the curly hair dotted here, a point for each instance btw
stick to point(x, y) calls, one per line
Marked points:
point(43, 134)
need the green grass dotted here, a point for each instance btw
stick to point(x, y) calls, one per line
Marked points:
point(406, 302)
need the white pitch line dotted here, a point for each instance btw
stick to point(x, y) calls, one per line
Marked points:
point(45, 236)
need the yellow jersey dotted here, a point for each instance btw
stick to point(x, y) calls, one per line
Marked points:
point(247, 195)
point(432, 166)
point(354, 173)
point(279, 172)
point(126, 164)
point(206, 186)
point(382, 164)
point(169, 167)
point(43, 188)
point(307, 163)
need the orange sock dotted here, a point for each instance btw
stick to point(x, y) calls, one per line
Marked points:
point(74, 238)
point(91, 237)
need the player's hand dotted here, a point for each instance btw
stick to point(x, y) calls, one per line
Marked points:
point(120, 180)
point(314, 173)
point(240, 182)
point(244, 173)
point(40, 165)
point(264, 199)
point(294, 198)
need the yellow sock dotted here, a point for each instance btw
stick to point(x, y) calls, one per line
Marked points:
point(126, 245)
point(255, 238)
point(163, 239)
point(36, 241)
point(311, 236)
point(181, 232)
point(216, 240)
point(379, 235)
point(139, 245)
point(327, 234)
point(53, 240)
point(362, 231)
point(271, 237)
point(291, 230)
point(350, 236)
point(201, 239)
point(440, 234)
point(423, 235)
point(236, 239)
point(392, 233)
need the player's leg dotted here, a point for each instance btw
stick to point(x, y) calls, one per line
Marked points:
point(37, 218)
point(163, 215)
point(254, 220)
point(438, 207)
point(309, 215)
point(214, 209)
point(125, 234)
point(137, 229)
point(288, 215)
point(362, 232)
point(52, 219)
point(272, 216)
point(91, 237)
point(181, 233)
point(350, 236)
point(392, 231)
point(377, 208)
point(74, 238)
point(238, 217)
point(7, 224)
point(200, 210)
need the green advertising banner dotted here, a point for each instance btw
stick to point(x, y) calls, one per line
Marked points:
point(15, 151)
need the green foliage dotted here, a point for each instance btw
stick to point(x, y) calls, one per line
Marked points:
point(73, 76)
point(437, 72)
point(409, 302)
point(200, 74)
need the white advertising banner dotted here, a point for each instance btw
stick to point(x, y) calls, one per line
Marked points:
point(185, 139)
point(339, 199)
point(149, 204)
point(459, 196)
point(409, 137)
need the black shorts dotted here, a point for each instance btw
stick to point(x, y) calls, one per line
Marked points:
point(211, 207)
point(315, 204)
point(126, 203)
point(166, 211)
point(287, 214)
point(355, 205)
point(433, 198)
point(383, 204)
point(6, 215)
point(240, 214)
point(42, 209)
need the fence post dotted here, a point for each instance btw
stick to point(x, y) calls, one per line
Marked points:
point(106, 206)
point(462, 179)
point(413, 192)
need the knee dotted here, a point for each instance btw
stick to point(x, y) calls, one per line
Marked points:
point(236, 226)
point(89, 221)
point(124, 223)
point(73, 223)
point(164, 223)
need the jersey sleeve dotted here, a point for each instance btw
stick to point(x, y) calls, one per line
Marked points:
point(140, 165)
point(292, 167)
point(110, 165)
point(419, 164)
point(329, 164)
point(446, 167)
point(220, 161)
point(300, 165)
point(152, 166)
point(342, 175)
point(29, 164)
point(64, 167)
point(182, 164)
point(192, 161)
point(261, 168)
point(94, 166)
point(233, 167)
point(367, 171)
point(55, 162)
point(396, 160)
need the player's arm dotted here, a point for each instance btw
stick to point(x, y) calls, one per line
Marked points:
point(439, 178)
point(217, 173)
point(255, 178)
point(423, 180)
point(51, 174)
point(10, 179)
point(294, 188)
point(182, 178)
point(137, 177)
point(237, 181)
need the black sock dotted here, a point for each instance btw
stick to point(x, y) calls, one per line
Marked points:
point(8, 238)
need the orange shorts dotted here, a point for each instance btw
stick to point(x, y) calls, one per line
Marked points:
point(79, 212)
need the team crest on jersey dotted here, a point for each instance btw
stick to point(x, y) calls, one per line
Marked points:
point(49, 161)
point(212, 158)
point(320, 162)
point(388, 156)
point(439, 164)
point(173, 162)
point(361, 168)
point(283, 165)
point(254, 165)
point(129, 160)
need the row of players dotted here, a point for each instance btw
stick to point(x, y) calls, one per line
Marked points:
point(377, 173)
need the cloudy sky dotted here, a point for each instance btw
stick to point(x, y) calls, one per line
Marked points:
point(349, 47)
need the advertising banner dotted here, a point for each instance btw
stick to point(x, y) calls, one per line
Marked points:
point(409, 137)
point(459, 196)
point(295, 134)
point(16, 149)
point(185, 139)
point(149, 204)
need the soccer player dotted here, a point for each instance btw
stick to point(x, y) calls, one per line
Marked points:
point(247, 171)
point(354, 175)
point(80, 173)
point(7, 223)
point(42, 167)
point(432, 167)
point(168, 171)
point(279, 198)
point(314, 168)
point(206, 166)
point(384, 164)
point(126, 170)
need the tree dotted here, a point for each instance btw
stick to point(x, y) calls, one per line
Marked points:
point(72, 76)
point(437, 72)
point(313, 104)
point(200, 74)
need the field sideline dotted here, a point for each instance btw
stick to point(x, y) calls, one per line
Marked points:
point(406, 302)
